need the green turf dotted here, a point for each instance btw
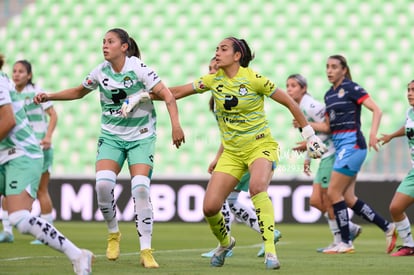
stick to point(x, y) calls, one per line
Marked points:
point(178, 247)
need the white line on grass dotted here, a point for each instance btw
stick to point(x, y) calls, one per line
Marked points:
point(125, 254)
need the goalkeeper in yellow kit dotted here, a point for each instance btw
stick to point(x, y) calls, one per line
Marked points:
point(246, 140)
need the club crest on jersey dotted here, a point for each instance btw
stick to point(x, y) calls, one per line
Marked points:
point(341, 93)
point(242, 90)
point(128, 82)
point(27, 100)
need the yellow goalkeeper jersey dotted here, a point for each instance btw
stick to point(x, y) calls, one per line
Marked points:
point(239, 106)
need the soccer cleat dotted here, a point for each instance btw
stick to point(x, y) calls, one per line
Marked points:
point(6, 237)
point(391, 237)
point(219, 256)
point(278, 235)
point(404, 251)
point(355, 233)
point(36, 242)
point(147, 260)
point(83, 264)
point(112, 250)
point(340, 248)
point(321, 249)
point(271, 261)
point(211, 253)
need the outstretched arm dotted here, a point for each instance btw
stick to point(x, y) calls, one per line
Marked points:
point(384, 139)
point(68, 94)
point(161, 91)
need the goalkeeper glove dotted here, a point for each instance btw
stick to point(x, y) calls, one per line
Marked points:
point(133, 100)
point(316, 148)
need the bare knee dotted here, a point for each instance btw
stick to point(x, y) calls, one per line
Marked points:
point(397, 212)
point(316, 202)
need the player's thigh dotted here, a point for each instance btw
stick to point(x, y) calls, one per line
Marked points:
point(141, 151)
point(323, 174)
point(22, 177)
point(111, 154)
point(47, 160)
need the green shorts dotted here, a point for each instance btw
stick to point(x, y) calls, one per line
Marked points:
point(22, 173)
point(47, 160)
point(323, 175)
point(237, 163)
point(407, 185)
point(116, 149)
point(243, 184)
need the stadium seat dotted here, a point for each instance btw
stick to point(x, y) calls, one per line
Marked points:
point(177, 38)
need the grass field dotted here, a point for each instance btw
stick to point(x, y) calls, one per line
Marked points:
point(178, 247)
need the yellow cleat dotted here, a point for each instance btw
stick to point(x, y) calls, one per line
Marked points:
point(112, 251)
point(147, 260)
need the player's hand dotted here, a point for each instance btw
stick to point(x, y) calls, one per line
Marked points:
point(41, 97)
point(46, 143)
point(133, 101)
point(178, 136)
point(316, 148)
point(306, 167)
point(300, 147)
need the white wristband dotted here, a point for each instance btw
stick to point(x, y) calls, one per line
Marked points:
point(307, 132)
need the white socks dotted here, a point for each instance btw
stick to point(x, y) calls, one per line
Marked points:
point(105, 184)
point(404, 231)
point(244, 213)
point(140, 191)
point(43, 231)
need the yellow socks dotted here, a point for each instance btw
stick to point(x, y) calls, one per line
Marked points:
point(266, 217)
point(218, 227)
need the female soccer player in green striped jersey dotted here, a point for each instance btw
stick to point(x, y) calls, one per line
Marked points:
point(126, 133)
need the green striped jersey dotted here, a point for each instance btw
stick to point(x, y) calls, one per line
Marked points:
point(20, 140)
point(35, 112)
point(409, 131)
point(114, 88)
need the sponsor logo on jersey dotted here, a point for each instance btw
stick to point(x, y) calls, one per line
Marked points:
point(259, 136)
